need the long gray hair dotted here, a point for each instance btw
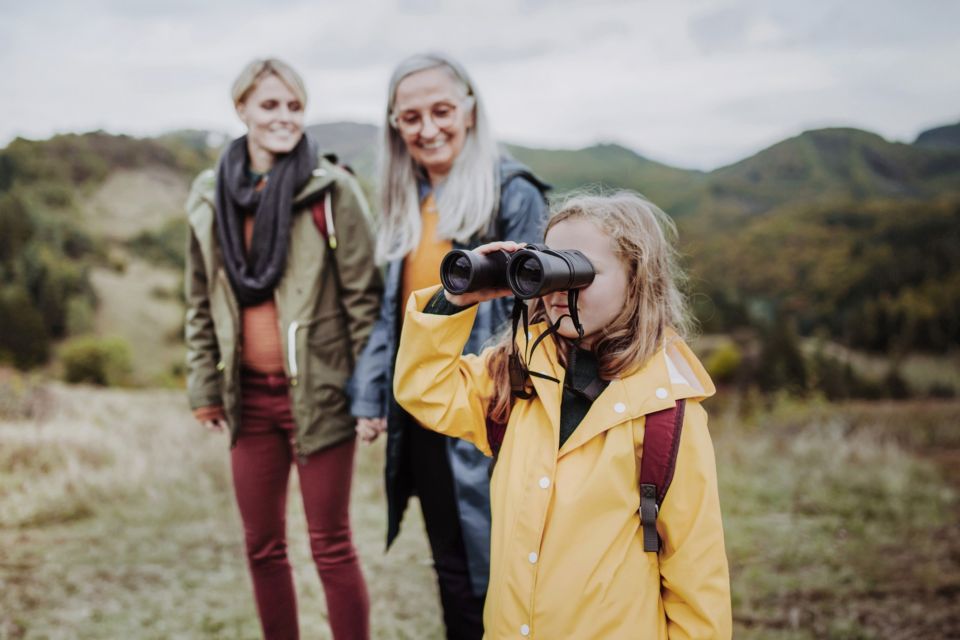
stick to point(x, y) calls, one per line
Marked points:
point(471, 191)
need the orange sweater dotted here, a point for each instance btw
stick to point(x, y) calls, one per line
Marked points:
point(260, 349)
point(421, 267)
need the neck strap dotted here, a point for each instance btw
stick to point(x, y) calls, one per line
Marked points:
point(519, 372)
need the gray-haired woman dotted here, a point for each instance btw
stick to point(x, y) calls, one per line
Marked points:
point(444, 184)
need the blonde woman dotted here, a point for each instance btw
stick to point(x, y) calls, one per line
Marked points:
point(444, 184)
point(275, 317)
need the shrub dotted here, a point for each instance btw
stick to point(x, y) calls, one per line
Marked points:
point(24, 340)
point(80, 315)
point(53, 281)
point(724, 363)
point(102, 361)
point(55, 194)
point(16, 227)
point(164, 246)
point(781, 363)
point(941, 390)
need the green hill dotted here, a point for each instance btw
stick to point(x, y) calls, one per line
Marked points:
point(79, 214)
point(947, 137)
point(828, 165)
point(879, 274)
point(610, 166)
point(838, 230)
point(354, 144)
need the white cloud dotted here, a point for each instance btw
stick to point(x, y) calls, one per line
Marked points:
point(691, 83)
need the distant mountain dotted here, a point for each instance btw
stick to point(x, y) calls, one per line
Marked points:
point(355, 144)
point(946, 137)
point(826, 165)
point(832, 162)
point(817, 166)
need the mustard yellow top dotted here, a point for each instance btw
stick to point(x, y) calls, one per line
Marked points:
point(421, 267)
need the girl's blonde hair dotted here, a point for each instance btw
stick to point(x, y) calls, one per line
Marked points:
point(470, 194)
point(256, 70)
point(642, 237)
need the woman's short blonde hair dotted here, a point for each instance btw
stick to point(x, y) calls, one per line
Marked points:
point(257, 70)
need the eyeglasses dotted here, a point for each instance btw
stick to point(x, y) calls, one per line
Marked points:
point(443, 115)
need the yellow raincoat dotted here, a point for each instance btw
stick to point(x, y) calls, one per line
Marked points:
point(567, 557)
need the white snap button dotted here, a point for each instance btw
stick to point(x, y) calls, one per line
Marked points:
point(532, 557)
point(619, 407)
point(662, 393)
point(524, 630)
point(544, 482)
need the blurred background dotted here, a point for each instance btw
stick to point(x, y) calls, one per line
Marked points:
point(809, 153)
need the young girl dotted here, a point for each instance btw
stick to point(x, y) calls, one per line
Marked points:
point(567, 554)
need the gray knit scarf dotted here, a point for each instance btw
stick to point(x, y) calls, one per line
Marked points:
point(255, 272)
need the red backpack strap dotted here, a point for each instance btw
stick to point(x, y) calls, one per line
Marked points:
point(661, 443)
point(496, 431)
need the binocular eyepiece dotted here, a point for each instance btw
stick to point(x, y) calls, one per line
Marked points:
point(530, 272)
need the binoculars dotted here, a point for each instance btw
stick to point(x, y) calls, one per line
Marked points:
point(531, 272)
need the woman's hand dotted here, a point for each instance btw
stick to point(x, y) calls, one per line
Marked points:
point(212, 418)
point(217, 425)
point(473, 297)
point(368, 429)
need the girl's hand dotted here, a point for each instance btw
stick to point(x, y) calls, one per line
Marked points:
point(368, 429)
point(473, 297)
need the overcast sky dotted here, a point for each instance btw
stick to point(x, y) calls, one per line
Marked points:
point(692, 83)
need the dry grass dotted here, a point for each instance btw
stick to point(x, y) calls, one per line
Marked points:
point(131, 201)
point(117, 521)
point(835, 528)
point(921, 371)
point(130, 308)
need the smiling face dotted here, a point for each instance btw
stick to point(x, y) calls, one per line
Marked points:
point(274, 117)
point(432, 116)
point(602, 300)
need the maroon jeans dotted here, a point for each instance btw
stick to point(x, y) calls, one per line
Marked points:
point(261, 462)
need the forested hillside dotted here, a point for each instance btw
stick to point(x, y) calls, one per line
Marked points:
point(74, 204)
point(835, 233)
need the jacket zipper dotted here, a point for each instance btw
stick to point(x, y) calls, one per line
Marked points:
point(294, 370)
point(292, 351)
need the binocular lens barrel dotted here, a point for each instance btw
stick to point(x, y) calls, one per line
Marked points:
point(462, 271)
point(526, 275)
point(530, 273)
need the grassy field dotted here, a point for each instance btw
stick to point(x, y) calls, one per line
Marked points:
point(133, 200)
point(141, 305)
point(117, 521)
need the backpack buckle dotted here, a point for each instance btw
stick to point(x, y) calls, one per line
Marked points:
point(649, 509)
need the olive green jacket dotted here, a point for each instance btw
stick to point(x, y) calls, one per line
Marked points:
point(327, 303)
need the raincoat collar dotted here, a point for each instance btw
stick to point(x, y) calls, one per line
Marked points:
point(671, 374)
